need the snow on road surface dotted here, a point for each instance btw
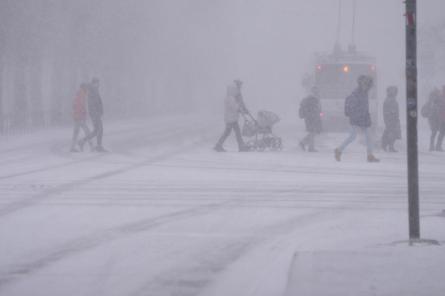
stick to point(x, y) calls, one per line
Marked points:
point(163, 214)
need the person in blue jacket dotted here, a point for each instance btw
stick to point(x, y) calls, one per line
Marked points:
point(357, 109)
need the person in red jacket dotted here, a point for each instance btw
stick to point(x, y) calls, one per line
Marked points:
point(80, 115)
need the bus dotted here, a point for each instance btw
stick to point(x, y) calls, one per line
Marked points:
point(335, 76)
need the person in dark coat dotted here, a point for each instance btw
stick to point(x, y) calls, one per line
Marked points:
point(310, 110)
point(95, 110)
point(357, 109)
point(391, 118)
point(430, 111)
point(441, 116)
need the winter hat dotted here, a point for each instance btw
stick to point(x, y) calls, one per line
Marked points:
point(392, 90)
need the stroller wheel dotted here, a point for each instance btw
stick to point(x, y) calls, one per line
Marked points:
point(260, 146)
point(250, 146)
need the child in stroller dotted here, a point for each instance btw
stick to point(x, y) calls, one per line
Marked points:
point(259, 131)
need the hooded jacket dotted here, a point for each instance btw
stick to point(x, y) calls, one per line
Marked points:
point(391, 117)
point(310, 109)
point(232, 106)
point(357, 108)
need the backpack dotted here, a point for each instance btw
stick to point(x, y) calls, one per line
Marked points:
point(426, 110)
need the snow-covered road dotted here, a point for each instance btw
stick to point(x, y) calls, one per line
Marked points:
point(163, 214)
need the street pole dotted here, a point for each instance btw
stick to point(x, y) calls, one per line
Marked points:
point(411, 119)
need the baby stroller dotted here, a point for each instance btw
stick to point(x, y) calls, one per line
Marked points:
point(259, 132)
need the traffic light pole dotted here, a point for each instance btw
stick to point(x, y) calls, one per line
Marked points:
point(411, 119)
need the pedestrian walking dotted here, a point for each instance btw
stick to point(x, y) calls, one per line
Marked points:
point(310, 110)
point(95, 110)
point(239, 96)
point(357, 109)
point(441, 116)
point(430, 110)
point(80, 116)
point(233, 106)
point(391, 118)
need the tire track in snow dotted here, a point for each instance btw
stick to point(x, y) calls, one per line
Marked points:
point(191, 280)
point(29, 147)
point(259, 198)
point(99, 238)
point(159, 135)
point(300, 169)
point(46, 194)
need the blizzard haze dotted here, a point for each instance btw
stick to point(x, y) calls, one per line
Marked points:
point(179, 55)
point(288, 202)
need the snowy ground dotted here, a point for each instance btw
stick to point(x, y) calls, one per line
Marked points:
point(163, 214)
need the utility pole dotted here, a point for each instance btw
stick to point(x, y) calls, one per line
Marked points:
point(411, 118)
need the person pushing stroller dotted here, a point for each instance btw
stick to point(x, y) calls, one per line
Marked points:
point(233, 107)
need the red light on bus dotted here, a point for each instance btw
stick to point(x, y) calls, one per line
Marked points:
point(346, 69)
point(319, 67)
point(321, 114)
point(372, 68)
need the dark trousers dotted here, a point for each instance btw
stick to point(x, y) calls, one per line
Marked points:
point(309, 140)
point(97, 132)
point(388, 139)
point(227, 131)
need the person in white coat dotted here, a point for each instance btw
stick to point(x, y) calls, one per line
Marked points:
point(233, 106)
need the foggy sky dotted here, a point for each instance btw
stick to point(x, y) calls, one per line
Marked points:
point(162, 53)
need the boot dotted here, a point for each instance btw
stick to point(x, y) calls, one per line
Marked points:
point(337, 154)
point(219, 148)
point(302, 146)
point(100, 149)
point(372, 158)
point(392, 149)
